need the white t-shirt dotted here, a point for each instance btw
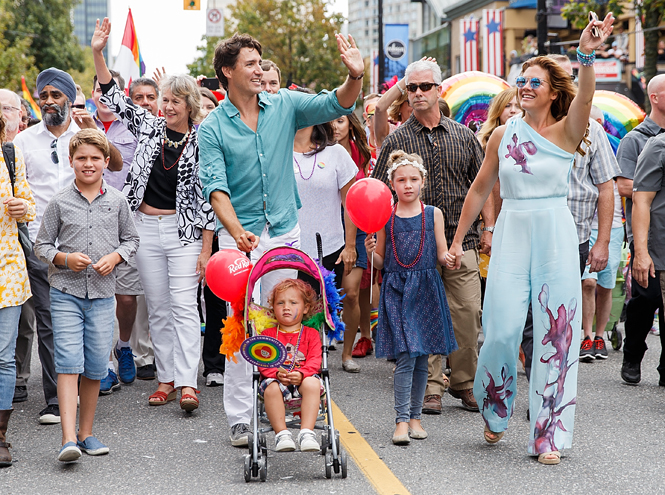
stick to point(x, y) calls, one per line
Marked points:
point(319, 178)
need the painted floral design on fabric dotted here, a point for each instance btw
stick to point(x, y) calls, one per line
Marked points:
point(498, 395)
point(516, 152)
point(559, 335)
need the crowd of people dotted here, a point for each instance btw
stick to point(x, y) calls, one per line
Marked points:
point(125, 207)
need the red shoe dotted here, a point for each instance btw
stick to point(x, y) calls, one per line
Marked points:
point(362, 348)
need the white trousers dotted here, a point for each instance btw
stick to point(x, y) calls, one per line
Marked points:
point(169, 280)
point(238, 376)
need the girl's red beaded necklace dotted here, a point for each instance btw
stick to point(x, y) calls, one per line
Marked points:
point(422, 237)
point(295, 352)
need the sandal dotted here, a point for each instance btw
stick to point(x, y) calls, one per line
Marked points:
point(550, 458)
point(189, 402)
point(491, 436)
point(160, 398)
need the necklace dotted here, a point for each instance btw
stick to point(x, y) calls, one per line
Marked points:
point(422, 237)
point(300, 169)
point(174, 144)
point(185, 140)
point(295, 352)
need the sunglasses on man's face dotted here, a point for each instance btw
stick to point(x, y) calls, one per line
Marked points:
point(535, 82)
point(79, 106)
point(424, 87)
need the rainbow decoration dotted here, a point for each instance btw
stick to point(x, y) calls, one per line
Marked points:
point(621, 115)
point(34, 108)
point(263, 351)
point(469, 95)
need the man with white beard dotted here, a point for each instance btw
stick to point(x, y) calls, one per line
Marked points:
point(11, 109)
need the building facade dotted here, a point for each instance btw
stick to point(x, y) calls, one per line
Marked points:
point(85, 15)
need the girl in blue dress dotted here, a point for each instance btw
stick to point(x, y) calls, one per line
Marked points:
point(414, 319)
point(534, 250)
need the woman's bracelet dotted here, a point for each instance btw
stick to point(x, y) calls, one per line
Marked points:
point(584, 59)
point(66, 255)
point(403, 91)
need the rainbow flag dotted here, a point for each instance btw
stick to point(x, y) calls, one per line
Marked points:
point(129, 61)
point(34, 108)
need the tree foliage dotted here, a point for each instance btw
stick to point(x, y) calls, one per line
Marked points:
point(203, 63)
point(651, 14)
point(298, 35)
point(577, 11)
point(14, 59)
point(48, 24)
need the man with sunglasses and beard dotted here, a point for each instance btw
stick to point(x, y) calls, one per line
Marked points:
point(45, 148)
point(452, 155)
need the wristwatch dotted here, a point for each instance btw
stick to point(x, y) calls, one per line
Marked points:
point(488, 229)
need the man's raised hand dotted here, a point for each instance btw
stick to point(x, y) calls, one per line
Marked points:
point(350, 55)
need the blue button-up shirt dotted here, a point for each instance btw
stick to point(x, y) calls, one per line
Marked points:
point(256, 168)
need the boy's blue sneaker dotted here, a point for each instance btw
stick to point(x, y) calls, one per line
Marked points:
point(109, 384)
point(69, 452)
point(92, 446)
point(126, 366)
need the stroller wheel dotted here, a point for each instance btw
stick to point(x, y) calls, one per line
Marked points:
point(324, 443)
point(617, 339)
point(248, 468)
point(263, 468)
point(250, 443)
point(342, 460)
point(329, 462)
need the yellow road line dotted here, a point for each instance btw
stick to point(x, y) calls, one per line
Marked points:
point(375, 470)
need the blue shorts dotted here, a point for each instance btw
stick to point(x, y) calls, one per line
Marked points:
point(607, 278)
point(82, 334)
point(361, 261)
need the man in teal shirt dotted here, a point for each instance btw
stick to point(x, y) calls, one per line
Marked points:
point(246, 169)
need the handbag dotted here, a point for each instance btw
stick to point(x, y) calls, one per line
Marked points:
point(10, 161)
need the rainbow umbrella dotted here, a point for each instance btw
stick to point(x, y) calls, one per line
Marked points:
point(469, 95)
point(621, 115)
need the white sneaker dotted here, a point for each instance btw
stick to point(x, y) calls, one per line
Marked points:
point(307, 441)
point(332, 345)
point(214, 380)
point(284, 442)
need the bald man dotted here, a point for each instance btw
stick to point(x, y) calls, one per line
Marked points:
point(644, 301)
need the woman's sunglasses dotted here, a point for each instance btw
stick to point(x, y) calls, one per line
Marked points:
point(535, 82)
point(424, 87)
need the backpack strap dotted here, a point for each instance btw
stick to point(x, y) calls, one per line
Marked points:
point(10, 160)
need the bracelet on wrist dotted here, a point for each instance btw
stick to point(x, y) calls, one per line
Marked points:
point(357, 78)
point(587, 60)
point(66, 255)
point(403, 91)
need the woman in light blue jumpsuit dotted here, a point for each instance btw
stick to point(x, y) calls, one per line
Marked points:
point(534, 252)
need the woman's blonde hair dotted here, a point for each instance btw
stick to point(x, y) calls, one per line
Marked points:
point(494, 112)
point(560, 83)
point(185, 88)
point(394, 113)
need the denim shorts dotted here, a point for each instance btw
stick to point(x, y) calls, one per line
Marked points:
point(82, 334)
point(361, 261)
point(607, 277)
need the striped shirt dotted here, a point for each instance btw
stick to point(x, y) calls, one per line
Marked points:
point(452, 157)
point(596, 167)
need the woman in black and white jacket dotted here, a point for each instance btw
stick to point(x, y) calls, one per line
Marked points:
point(175, 223)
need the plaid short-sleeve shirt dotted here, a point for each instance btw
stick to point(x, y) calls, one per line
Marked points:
point(452, 156)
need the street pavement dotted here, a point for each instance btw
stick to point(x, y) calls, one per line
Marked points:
point(155, 450)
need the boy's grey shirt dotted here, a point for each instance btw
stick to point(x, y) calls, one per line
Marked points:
point(72, 224)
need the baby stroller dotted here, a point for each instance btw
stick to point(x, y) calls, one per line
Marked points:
point(256, 318)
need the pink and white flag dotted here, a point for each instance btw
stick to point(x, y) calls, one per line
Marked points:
point(492, 31)
point(468, 58)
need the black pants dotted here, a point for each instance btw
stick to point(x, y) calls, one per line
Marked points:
point(213, 361)
point(639, 318)
point(527, 335)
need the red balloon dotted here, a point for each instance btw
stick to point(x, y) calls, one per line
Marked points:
point(369, 203)
point(227, 273)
